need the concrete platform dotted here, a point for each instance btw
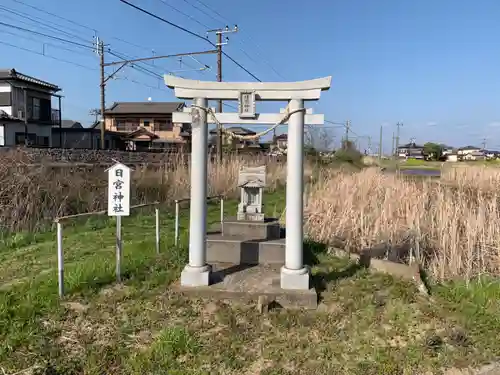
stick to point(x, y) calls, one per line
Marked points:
point(247, 283)
point(241, 250)
point(268, 229)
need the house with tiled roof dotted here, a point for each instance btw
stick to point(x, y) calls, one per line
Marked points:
point(147, 125)
point(26, 112)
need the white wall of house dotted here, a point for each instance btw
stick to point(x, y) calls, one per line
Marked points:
point(474, 156)
point(2, 135)
point(5, 87)
point(468, 151)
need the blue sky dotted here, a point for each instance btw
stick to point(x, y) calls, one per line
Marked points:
point(431, 64)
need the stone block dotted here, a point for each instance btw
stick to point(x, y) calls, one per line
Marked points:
point(239, 250)
point(253, 230)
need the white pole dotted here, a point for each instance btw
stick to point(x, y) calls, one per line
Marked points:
point(157, 217)
point(198, 206)
point(295, 188)
point(118, 248)
point(293, 274)
point(176, 236)
point(197, 272)
point(222, 216)
point(60, 259)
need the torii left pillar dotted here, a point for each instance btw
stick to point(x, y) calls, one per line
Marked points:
point(294, 274)
point(197, 271)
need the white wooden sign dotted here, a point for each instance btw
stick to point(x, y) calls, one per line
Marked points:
point(246, 104)
point(119, 190)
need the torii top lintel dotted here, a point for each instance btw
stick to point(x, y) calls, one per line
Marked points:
point(190, 88)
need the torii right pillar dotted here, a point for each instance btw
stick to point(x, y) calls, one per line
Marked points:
point(294, 275)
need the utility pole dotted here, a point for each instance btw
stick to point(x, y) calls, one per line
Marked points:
point(398, 125)
point(122, 64)
point(380, 145)
point(219, 44)
point(347, 127)
point(100, 47)
point(392, 146)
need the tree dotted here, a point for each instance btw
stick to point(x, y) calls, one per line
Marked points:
point(433, 150)
point(348, 153)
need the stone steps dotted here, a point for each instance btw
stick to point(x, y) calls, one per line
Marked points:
point(247, 242)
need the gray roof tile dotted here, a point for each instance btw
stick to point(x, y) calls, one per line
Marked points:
point(148, 108)
point(12, 74)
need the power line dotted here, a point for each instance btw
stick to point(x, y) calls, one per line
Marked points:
point(213, 10)
point(202, 11)
point(343, 125)
point(185, 15)
point(46, 35)
point(95, 31)
point(190, 33)
point(45, 43)
point(137, 67)
point(39, 22)
point(48, 56)
point(55, 15)
point(143, 84)
point(242, 41)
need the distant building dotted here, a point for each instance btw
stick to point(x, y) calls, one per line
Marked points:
point(71, 124)
point(26, 113)
point(281, 141)
point(410, 150)
point(491, 154)
point(235, 142)
point(87, 138)
point(462, 151)
point(147, 125)
point(474, 156)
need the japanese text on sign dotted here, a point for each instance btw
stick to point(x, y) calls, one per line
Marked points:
point(247, 104)
point(119, 190)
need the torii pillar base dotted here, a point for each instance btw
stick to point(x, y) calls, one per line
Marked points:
point(196, 276)
point(295, 279)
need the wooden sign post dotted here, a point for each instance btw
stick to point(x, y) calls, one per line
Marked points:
point(118, 204)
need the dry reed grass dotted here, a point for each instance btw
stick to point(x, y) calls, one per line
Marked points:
point(31, 197)
point(456, 224)
point(455, 221)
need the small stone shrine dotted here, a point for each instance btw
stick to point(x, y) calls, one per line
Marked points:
point(251, 181)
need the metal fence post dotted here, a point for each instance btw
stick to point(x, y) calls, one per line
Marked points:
point(60, 260)
point(222, 215)
point(176, 239)
point(157, 216)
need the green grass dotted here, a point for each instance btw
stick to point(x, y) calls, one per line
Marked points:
point(366, 323)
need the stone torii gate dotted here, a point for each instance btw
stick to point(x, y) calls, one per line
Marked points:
point(293, 274)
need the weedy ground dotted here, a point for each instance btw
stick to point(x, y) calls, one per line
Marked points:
point(366, 324)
